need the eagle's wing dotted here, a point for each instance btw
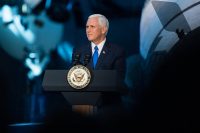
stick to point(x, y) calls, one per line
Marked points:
point(82, 76)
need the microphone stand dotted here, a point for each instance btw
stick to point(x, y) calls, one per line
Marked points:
point(86, 59)
point(76, 59)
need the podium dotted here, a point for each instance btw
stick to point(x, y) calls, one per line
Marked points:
point(102, 81)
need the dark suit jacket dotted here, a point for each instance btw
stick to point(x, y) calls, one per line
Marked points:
point(112, 57)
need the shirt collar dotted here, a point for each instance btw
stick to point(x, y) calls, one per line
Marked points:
point(100, 46)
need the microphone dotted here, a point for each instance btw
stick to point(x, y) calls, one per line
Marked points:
point(76, 59)
point(86, 59)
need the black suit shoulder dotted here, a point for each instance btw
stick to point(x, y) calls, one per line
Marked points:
point(118, 50)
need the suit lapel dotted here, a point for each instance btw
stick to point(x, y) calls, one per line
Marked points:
point(103, 54)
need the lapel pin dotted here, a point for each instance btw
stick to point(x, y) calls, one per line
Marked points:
point(104, 52)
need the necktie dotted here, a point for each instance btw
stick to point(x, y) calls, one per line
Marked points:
point(95, 56)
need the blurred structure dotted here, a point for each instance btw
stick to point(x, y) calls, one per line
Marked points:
point(168, 22)
point(163, 25)
point(30, 32)
point(169, 31)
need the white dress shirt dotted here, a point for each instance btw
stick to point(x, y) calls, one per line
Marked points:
point(100, 46)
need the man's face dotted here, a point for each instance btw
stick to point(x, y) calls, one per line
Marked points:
point(95, 33)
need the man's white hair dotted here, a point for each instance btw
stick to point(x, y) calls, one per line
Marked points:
point(103, 21)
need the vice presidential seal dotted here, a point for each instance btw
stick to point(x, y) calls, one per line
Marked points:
point(78, 77)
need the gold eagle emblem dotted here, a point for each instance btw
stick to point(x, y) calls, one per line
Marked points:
point(78, 77)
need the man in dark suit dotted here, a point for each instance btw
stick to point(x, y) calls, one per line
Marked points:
point(104, 55)
point(110, 57)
